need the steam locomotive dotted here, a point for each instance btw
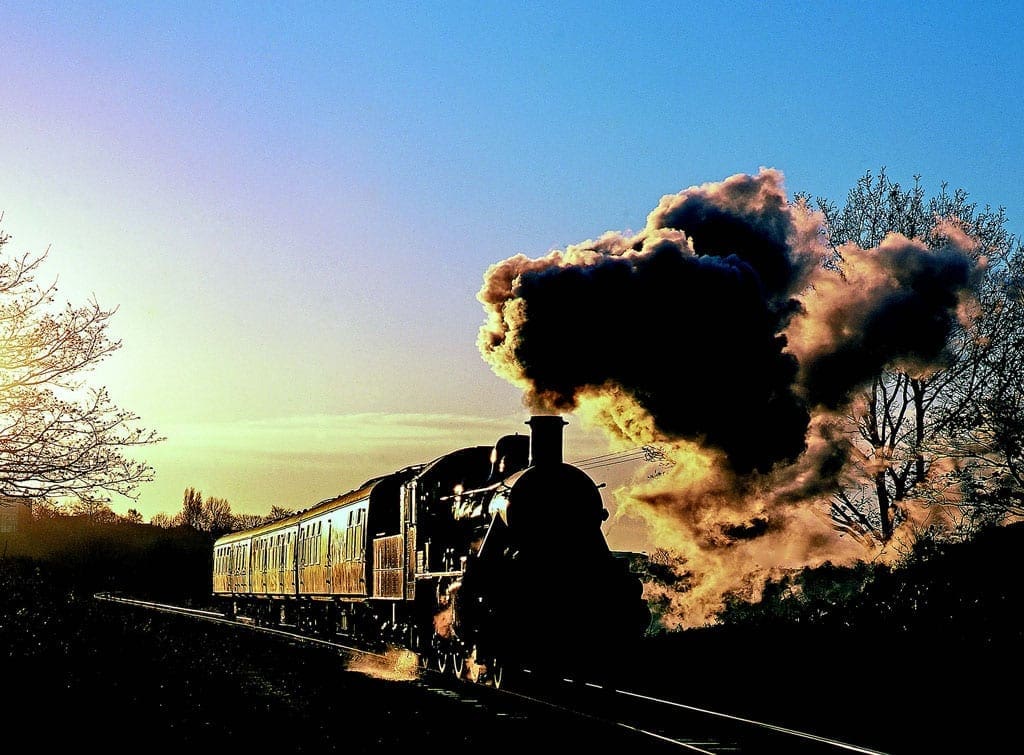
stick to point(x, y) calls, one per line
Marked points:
point(485, 559)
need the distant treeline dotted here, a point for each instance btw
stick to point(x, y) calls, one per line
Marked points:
point(82, 554)
point(957, 591)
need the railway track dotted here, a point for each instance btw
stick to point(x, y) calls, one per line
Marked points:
point(690, 728)
point(666, 725)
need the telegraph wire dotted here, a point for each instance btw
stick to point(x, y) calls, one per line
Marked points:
point(641, 453)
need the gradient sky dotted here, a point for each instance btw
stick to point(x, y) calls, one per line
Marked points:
point(293, 204)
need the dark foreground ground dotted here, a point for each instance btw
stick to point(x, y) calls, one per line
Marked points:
point(77, 672)
point(162, 683)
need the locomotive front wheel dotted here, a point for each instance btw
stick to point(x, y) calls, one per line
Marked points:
point(496, 673)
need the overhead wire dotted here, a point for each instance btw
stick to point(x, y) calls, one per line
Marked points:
point(641, 453)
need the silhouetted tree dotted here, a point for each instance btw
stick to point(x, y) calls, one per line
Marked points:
point(906, 420)
point(45, 508)
point(191, 514)
point(244, 521)
point(278, 512)
point(212, 515)
point(247, 521)
point(58, 438)
point(132, 516)
point(217, 516)
point(983, 429)
point(162, 520)
point(97, 512)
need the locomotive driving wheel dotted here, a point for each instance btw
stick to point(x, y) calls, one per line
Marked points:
point(484, 670)
point(419, 647)
point(496, 673)
point(475, 671)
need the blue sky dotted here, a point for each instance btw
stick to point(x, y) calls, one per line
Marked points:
point(294, 204)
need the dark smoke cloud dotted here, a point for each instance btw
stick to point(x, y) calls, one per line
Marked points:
point(719, 320)
point(747, 218)
point(685, 317)
point(692, 339)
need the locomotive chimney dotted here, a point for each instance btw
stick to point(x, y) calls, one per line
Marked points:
point(546, 439)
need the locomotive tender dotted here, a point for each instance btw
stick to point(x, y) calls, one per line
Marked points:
point(480, 560)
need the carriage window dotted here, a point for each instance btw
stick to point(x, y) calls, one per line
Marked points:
point(359, 534)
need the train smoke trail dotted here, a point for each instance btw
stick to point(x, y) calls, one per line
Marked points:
point(894, 304)
point(717, 331)
point(710, 280)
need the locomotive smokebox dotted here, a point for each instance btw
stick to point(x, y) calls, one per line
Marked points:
point(546, 439)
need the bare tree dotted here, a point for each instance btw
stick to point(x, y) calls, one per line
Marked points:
point(96, 511)
point(217, 516)
point(278, 512)
point(248, 521)
point(58, 437)
point(132, 516)
point(166, 521)
point(905, 421)
point(211, 514)
point(192, 514)
point(982, 430)
point(45, 508)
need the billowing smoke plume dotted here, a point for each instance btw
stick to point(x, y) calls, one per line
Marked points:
point(686, 318)
point(894, 304)
point(718, 331)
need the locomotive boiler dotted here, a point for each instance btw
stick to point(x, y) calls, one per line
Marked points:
point(485, 559)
